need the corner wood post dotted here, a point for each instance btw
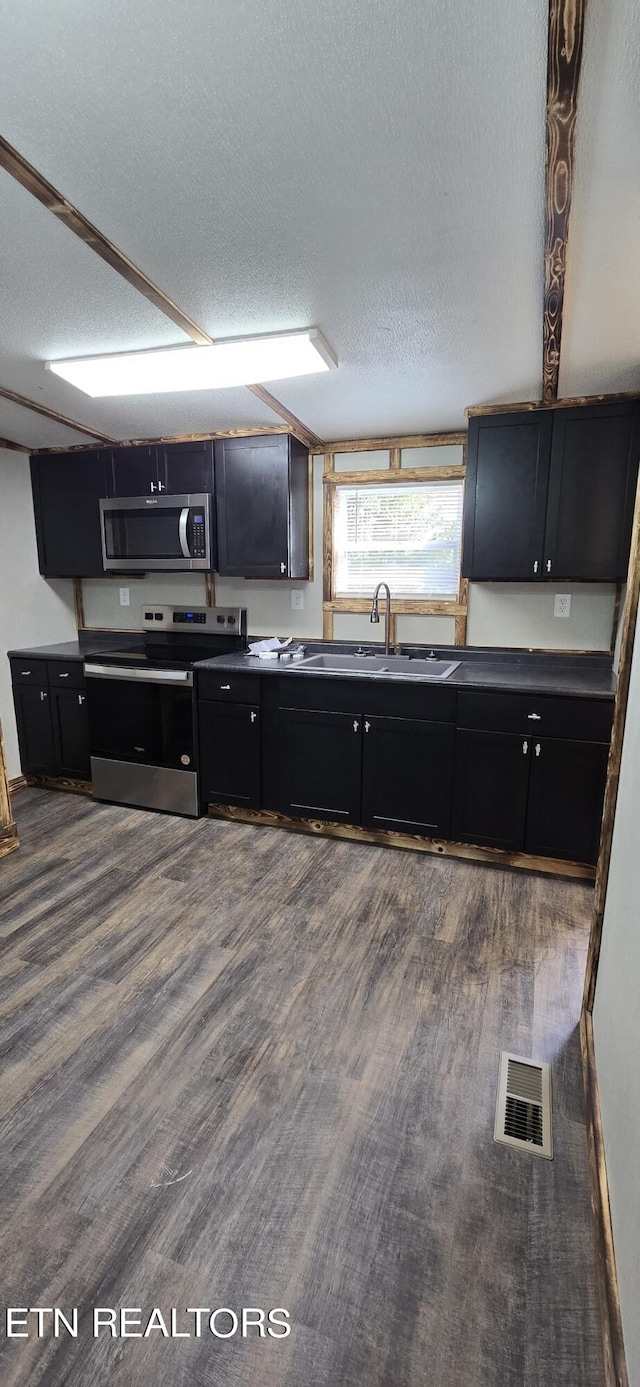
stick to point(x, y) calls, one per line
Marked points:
point(327, 549)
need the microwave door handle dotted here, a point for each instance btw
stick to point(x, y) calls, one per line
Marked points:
point(182, 532)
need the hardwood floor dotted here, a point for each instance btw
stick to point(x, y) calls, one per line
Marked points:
point(249, 1068)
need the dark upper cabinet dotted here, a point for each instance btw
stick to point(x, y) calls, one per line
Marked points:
point(262, 495)
point(594, 466)
point(35, 729)
point(490, 788)
point(229, 753)
point(407, 775)
point(566, 794)
point(320, 764)
point(71, 733)
point(186, 467)
point(549, 493)
point(136, 471)
point(67, 488)
point(506, 495)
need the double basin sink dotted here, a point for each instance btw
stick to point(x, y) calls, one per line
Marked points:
point(393, 666)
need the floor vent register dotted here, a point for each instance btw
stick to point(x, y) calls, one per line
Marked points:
point(523, 1107)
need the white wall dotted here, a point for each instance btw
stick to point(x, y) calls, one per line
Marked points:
point(517, 614)
point(616, 1022)
point(32, 611)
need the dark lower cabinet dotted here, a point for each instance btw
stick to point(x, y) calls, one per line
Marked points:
point(566, 792)
point(321, 765)
point(229, 760)
point(490, 789)
point(70, 733)
point(35, 730)
point(53, 726)
point(407, 773)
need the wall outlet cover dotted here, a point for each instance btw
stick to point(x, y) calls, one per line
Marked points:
point(562, 604)
point(297, 599)
point(124, 597)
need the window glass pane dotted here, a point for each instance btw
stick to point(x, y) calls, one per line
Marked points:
point(407, 536)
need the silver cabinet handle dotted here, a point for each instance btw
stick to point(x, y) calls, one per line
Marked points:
point(161, 486)
point(535, 566)
point(81, 699)
point(152, 484)
point(534, 717)
point(538, 748)
point(25, 671)
point(182, 532)
point(43, 695)
point(223, 687)
point(548, 565)
point(253, 717)
point(367, 726)
point(283, 567)
point(525, 748)
point(63, 676)
point(356, 725)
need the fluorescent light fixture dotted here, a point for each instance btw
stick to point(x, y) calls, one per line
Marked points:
point(235, 361)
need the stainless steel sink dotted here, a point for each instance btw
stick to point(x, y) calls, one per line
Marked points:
point(394, 666)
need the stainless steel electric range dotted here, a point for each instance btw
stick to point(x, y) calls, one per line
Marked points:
point(142, 710)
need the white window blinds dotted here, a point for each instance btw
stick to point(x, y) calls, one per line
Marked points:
point(408, 536)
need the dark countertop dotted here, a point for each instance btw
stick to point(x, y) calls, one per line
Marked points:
point(578, 676)
point(89, 644)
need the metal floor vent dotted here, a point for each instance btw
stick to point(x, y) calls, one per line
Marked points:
point(523, 1106)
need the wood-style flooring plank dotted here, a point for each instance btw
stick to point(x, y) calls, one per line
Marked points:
point(243, 1067)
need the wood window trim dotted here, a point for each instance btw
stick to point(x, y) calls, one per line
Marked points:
point(456, 607)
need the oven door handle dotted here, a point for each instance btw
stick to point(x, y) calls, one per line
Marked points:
point(142, 676)
point(182, 532)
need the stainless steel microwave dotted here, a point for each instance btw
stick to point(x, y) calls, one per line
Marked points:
point(157, 532)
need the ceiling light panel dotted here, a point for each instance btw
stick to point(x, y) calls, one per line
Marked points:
point(241, 361)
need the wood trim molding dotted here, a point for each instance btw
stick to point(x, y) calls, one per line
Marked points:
point(615, 1368)
point(78, 603)
point(395, 474)
point(564, 58)
point(385, 445)
point(165, 438)
point(8, 830)
point(568, 402)
point(401, 606)
point(37, 408)
point(14, 447)
point(615, 757)
point(55, 782)
point(410, 842)
point(17, 782)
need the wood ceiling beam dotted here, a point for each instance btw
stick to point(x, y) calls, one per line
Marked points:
point(564, 57)
point(37, 408)
point(14, 447)
point(24, 173)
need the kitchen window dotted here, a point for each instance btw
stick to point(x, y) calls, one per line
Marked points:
point(406, 534)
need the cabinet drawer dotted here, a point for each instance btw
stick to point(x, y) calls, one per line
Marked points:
point(27, 671)
point(379, 698)
point(580, 719)
point(65, 674)
point(231, 688)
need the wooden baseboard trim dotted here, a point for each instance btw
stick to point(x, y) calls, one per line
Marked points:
point(270, 818)
point(17, 782)
point(615, 1367)
point(9, 840)
point(52, 782)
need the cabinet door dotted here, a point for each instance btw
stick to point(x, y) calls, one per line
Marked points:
point(407, 775)
point(134, 471)
point(252, 490)
point(506, 495)
point(490, 788)
point(594, 468)
point(320, 765)
point(566, 795)
point(67, 488)
point(35, 730)
point(229, 764)
point(186, 467)
point(71, 733)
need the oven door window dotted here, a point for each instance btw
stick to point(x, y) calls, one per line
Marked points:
point(133, 533)
point(152, 723)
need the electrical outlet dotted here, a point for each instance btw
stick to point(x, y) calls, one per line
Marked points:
point(124, 597)
point(562, 604)
point(297, 599)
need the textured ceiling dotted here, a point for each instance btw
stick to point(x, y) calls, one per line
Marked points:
point(375, 169)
